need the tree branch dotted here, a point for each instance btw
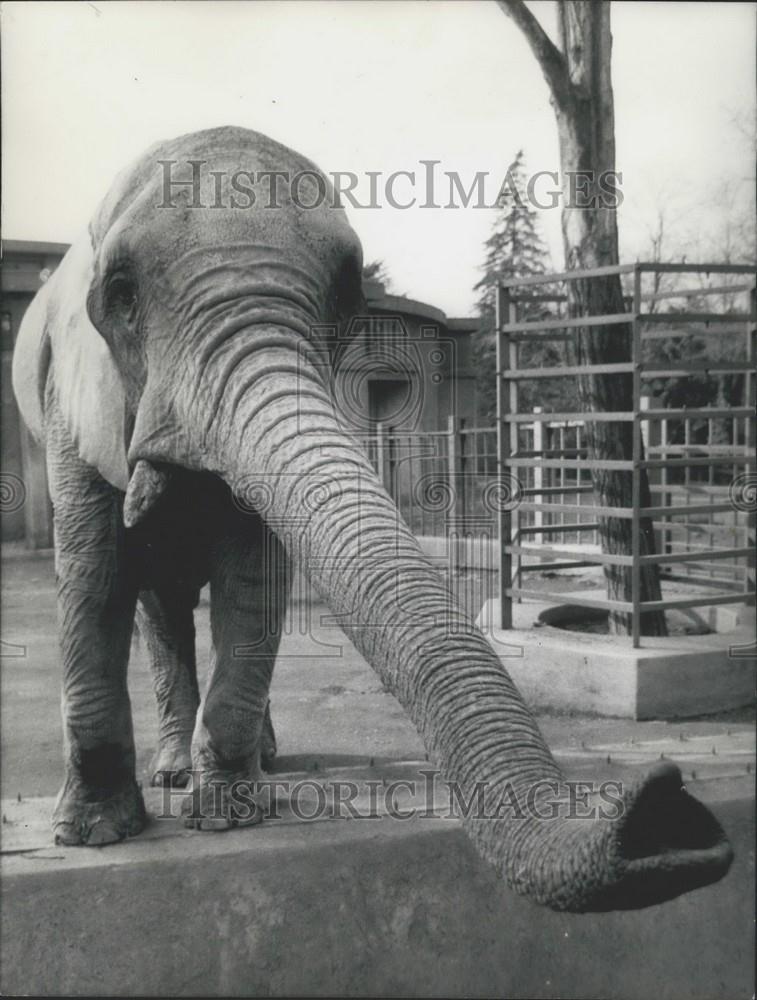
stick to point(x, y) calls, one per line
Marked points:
point(550, 59)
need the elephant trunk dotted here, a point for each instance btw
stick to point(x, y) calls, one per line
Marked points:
point(277, 440)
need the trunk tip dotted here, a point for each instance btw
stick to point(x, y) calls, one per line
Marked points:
point(666, 843)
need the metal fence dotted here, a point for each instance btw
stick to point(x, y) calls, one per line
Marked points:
point(701, 486)
point(714, 310)
point(443, 480)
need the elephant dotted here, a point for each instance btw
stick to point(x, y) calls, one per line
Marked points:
point(180, 361)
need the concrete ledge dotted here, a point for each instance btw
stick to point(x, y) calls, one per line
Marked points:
point(349, 908)
point(671, 677)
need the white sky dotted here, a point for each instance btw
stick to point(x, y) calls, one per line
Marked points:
point(372, 86)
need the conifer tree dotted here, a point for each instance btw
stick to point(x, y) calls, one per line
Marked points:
point(515, 249)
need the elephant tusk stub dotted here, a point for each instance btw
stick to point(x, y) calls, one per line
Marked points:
point(146, 486)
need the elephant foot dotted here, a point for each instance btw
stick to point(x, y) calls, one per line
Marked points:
point(78, 819)
point(171, 765)
point(221, 800)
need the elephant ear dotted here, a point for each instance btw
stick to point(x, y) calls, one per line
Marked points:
point(56, 332)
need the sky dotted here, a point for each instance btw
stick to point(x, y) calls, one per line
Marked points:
point(377, 86)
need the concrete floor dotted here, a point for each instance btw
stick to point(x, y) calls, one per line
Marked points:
point(338, 908)
point(328, 705)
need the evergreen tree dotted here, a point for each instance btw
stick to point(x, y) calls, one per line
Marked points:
point(515, 249)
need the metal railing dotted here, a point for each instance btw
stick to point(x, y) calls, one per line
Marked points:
point(438, 479)
point(447, 481)
point(574, 460)
point(442, 483)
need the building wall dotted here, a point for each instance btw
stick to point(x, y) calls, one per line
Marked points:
point(10, 428)
point(27, 512)
point(401, 340)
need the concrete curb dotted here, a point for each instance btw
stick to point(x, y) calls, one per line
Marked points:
point(667, 678)
point(352, 908)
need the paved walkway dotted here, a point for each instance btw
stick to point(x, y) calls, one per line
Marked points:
point(329, 707)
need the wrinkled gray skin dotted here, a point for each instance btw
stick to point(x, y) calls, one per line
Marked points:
point(211, 317)
point(165, 621)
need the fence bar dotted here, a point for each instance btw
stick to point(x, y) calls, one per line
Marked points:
point(548, 337)
point(513, 392)
point(684, 368)
point(548, 279)
point(665, 533)
point(627, 466)
point(549, 528)
point(590, 558)
point(725, 452)
point(703, 581)
point(559, 418)
point(577, 508)
point(539, 490)
point(533, 373)
point(692, 293)
point(680, 557)
point(380, 454)
point(603, 603)
point(693, 268)
point(683, 331)
point(573, 463)
point(455, 485)
point(637, 457)
point(569, 323)
point(750, 398)
point(625, 607)
point(680, 463)
point(703, 601)
point(698, 317)
point(538, 298)
point(712, 508)
point(541, 567)
point(703, 490)
point(555, 452)
point(503, 312)
point(703, 413)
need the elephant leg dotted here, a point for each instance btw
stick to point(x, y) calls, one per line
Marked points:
point(249, 584)
point(166, 623)
point(100, 801)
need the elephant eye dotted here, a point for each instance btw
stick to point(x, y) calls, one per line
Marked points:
point(122, 296)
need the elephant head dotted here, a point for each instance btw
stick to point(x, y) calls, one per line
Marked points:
point(206, 287)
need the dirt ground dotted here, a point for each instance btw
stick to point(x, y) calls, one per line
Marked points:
point(329, 708)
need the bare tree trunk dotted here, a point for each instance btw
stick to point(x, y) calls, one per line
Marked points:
point(578, 75)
